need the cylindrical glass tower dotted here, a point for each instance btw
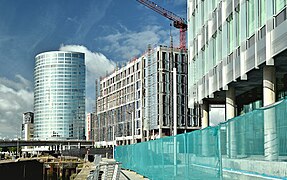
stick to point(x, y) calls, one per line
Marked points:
point(59, 95)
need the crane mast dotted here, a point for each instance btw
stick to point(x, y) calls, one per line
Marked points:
point(178, 22)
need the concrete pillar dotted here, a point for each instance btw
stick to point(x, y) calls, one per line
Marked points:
point(147, 135)
point(142, 136)
point(269, 83)
point(61, 148)
point(204, 133)
point(205, 115)
point(231, 128)
point(271, 146)
point(230, 103)
point(160, 132)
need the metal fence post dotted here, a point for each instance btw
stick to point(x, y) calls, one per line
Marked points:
point(219, 151)
point(175, 156)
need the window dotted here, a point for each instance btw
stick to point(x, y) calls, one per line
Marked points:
point(262, 12)
point(242, 21)
point(230, 30)
point(224, 40)
point(218, 46)
point(251, 41)
point(280, 17)
point(251, 17)
point(213, 52)
point(236, 28)
point(279, 5)
point(204, 10)
point(269, 8)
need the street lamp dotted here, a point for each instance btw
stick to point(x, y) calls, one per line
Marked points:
point(174, 101)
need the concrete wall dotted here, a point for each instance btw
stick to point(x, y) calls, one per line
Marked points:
point(31, 169)
point(81, 152)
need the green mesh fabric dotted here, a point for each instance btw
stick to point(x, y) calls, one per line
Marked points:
point(251, 145)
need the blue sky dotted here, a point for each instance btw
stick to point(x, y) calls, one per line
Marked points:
point(108, 31)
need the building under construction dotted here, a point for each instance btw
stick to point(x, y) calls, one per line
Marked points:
point(145, 99)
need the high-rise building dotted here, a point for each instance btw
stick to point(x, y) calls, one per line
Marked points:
point(90, 126)
point(59, 95)
point(136, 102)
point(237, 54)
point(27, 126)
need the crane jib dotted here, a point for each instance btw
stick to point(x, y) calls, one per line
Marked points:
point(178, 22)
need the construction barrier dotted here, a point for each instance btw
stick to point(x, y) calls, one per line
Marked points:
point(253, 145)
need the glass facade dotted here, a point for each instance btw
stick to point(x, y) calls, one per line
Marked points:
point(151, 87)
point(59, 95)
point(223, 33)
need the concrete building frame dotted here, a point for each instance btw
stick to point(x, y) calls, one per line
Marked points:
point(136, 101)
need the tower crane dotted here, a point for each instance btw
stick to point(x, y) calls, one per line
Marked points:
point(178, 22)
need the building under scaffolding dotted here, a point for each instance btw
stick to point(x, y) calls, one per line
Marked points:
point(136, 101)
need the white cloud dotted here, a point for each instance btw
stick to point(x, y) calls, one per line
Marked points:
point(21, 83)
point(97, 65)
point(128, 44)
point(16, 97)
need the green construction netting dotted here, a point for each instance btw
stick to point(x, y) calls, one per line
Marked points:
point(252, 145)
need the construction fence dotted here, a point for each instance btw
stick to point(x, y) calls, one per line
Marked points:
point(253, 145)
